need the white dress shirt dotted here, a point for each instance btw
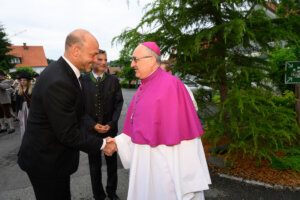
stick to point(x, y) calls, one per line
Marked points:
point(96, 76)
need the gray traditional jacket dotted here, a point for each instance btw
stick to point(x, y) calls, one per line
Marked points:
point(4, 93)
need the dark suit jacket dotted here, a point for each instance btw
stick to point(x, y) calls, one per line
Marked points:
point(53, 138)
point(112, 103)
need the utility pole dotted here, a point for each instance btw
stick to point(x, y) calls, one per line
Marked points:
point(297, 104)
point(292, 76)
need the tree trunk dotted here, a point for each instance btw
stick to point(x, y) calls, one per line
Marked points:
point(297, 104)
point(223, 91)
point(224, 95)
point(129, 83)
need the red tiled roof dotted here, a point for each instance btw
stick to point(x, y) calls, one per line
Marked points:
point(113, 69)
point(272, 6)
point(33, 56)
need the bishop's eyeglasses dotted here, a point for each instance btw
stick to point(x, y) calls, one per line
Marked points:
point(135, 59)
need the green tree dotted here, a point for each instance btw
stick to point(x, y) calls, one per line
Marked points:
point(122, 61)
point(223, 44)
point(127, 72)
point(213, 40)
point(5, 60)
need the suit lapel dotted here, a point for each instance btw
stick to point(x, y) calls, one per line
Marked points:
point(70, 73)
point(72, 77)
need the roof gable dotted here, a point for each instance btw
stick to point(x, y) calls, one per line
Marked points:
point(33, 56)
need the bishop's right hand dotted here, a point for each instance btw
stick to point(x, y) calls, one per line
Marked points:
point(110, 147)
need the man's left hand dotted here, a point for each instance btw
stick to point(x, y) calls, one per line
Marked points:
point(101, 128)
point(107, 127)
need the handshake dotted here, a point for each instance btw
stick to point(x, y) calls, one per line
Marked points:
point(110, 147)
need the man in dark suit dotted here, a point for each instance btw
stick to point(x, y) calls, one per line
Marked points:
point(49, 152)
point(103, 104)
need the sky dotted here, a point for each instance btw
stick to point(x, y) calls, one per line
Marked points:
point(47, 22)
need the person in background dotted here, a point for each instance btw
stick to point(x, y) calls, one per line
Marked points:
point(35, 78)
point(5, 104)
point(23, 99)
point(166, 66)
point(16, 82)
point(12, 107)
point(15, 88)
point(103, 105)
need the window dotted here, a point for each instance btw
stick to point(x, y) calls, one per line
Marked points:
point(16, 61)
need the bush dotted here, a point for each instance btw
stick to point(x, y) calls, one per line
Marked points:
point(290, 161)
point(26, 69)
point(257, 123)
point(287, 99)
point(21, 69)
point(125, 84)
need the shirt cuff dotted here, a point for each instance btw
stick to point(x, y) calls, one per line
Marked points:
point(103, 145)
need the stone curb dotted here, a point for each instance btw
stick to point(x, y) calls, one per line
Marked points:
point(258, 183)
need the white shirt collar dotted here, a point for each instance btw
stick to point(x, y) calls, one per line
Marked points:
point(75, 69)
point(96, 76)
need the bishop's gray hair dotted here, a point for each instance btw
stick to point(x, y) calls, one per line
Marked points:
point(152, 53)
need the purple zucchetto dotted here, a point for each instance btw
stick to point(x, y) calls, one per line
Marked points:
point(153, 46)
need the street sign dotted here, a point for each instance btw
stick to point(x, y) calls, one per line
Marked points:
point(292, 72)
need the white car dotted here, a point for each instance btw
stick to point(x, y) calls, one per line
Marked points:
point(195, 86)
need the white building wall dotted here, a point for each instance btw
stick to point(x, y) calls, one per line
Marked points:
point(36, 69)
